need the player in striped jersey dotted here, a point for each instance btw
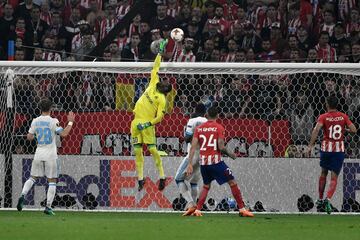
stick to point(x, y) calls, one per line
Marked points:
point(332, 153)
point(44, 129)
point(209, 139)
point(180, 177)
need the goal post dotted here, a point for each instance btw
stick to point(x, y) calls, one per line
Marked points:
point(267, 109)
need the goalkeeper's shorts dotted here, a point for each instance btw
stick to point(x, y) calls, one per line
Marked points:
point(146, 136)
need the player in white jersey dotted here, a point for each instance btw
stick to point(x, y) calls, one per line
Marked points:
point(44, 129)
point(180, 177)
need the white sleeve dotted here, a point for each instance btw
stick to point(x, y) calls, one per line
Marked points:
point(32, 127)
point(57, 127)
point(189, 131)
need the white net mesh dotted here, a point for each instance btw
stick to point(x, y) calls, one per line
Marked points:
point(268, 111)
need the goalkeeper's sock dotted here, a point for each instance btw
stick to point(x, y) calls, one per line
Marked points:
point(27, 186)
point(235, 190)
point(139, 161)
point(50, 194)
point(185, 192)
point(202, 198)
point(332, 188)
point(194, 191)
point(322, 183)
point(158, 162)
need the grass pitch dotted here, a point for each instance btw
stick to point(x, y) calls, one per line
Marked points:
point(31, 225)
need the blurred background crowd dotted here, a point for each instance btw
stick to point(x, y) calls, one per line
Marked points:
point(215, 31)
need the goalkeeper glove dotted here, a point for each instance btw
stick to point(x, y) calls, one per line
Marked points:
point(142, 126)
point(162, 47)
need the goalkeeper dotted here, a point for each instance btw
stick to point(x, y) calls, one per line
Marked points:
point(150, 110)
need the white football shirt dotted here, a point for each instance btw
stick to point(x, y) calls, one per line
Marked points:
point(45, 129)
point(190, 127)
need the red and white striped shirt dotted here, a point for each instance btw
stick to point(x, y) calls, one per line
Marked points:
point(327, 54)
point(133, 29)
point(46, 17)
point(186, 57)
point(173, 12)
point(122, 42)
point(334, 124)
point(344, 8)
point(105, 27)
point(122, 10)
point(327, 28)
point(230, 11)
point(208, 135)
point(293, 25)
point(352, 27)
point(51, 56)
point(229, 57)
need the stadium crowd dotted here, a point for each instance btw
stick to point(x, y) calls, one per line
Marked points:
point(217, 31)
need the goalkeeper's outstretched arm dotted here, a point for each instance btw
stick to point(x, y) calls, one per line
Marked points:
point(155, 71)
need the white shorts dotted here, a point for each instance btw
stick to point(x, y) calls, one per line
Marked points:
point(181, 172)
point(48, 168)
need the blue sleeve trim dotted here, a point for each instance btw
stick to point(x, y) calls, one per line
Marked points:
point(188, 134)
point(59, 130)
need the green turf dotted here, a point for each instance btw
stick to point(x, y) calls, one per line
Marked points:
point(82, 225)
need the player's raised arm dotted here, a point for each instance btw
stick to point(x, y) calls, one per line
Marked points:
point(67, 129)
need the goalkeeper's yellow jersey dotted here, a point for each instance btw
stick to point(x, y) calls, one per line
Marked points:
point(152, 104)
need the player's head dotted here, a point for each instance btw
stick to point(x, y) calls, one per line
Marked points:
point(212, 112)
point(164, 87)
point(200, 110)
point(331, 102)
point(45, 105)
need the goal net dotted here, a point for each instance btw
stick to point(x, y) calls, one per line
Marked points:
point(267, 109)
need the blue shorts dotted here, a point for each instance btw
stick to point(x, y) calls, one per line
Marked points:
point(332, 161)
point(219, 172)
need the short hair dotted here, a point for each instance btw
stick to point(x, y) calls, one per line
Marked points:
point(212, 112)
point(45, 105)
point(332, 101)
point(324, 33)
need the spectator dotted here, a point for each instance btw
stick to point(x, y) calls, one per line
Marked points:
point(24, 9)
point(250, 55)
point(7, 25)
point(115, 52)
point(19, 54)
point(173, 8)
point(265, 102)
point(295, 55)
point(338, 39)
point(354, 24)
point(38, 54)
point(230, 55)
point(109, 22)
point(204, 55)
point(306, 13)
point(85, 91)
point(94, 15)
point(294, 21)
point(84, 28)
point(293, 45)
point(196, 16)
point(264, 23)
point(215, 55)
point(324, 51)
point(135, 25)
point(301, 117)
point(344, 9)
point(145, 33)
point(186, 54)
point(224, 24)
point(123, 8)
point(230, 10)
point(312, 56)
point(49, 53)
point(355, 53)
point(250, 39)
point(277, 41)
point(162, 18)
point(69, 30)
point(240, 56)
point(304, 40)
point(85, 47)
point(106, 56)
point(209, 11)
point(122, 40)
point(133, 51)
point(213, 33)
point(104, 93)
point(194, 33)
point(18, 43)
point(236, 98)
point(36, 26)
point(237, 32)
point(267, 55)
point(184, 16)
point(56, 25)
point(329, 24)
point(45, 14)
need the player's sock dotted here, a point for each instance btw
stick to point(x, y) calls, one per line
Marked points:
point(50, 194)
point(139, 161)
point(27, 186)
point(202, 198)
point(158, 162)
point(322, 183)
point(332, 188)
point(235, 190)
point(194, 191)
point(184, 191)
